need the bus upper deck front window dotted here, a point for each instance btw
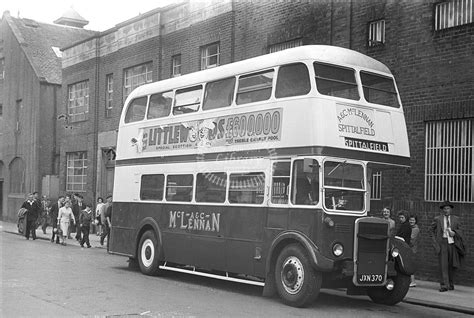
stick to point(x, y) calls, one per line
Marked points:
point(136, 110)
point(336, 81)
point(344, 186)
point(379, 89)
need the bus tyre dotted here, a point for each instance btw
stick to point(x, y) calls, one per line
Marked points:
point(148, 254)
point(382, 295)
point(297, 283)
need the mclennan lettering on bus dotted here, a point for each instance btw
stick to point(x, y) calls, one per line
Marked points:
point(198, 221)
point(245, 128)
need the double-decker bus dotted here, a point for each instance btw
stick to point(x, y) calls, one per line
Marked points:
point(259, 172)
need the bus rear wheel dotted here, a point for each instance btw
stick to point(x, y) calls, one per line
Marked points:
point(381, 295)
point(297, 283)
point(148, 253)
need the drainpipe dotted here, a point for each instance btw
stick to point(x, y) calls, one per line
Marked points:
point(95, 138)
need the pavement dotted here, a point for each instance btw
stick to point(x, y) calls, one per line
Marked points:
point(426, 293)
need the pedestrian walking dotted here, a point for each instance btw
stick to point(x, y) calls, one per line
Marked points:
point(386, 215)
point(106, 216)
point(32, 213)
point(85, 220)
point(37, 199)
point(45, 213)
point(414, 239)
point(100, 203)
point(404, 228)
point(54, 211)
point(446, 234)
point(65, 218)
point(77, 207)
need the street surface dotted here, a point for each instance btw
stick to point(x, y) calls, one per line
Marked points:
point(41, 279)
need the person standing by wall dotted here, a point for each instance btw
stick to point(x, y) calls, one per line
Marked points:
point(445, 229)
point(33, 211)
point(85, 220)
point(54, 217)
point(77, 207)
point(415, 235)
point(386, 215)
point(404, 229)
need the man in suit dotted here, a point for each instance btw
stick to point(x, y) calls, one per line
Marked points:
point(307, 189)
point(54, 217)
point(33, 211)
point(77, 207)
point(444, 228)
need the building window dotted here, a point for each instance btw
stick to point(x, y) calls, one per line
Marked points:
point(78, 101)
point(176, 65)
point(377, 33)
point(210, 56)
point(109, 82)
point(376, 189)
point(136, 76)
point(2, 69)
point(449, 161)
point(17, 176)
point(285, 45)
point(76, 172)
point(453, 13)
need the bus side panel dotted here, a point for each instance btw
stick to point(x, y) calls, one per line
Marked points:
point(123, 228)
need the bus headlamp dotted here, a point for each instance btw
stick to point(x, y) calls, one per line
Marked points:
point(337, 249)
point(390, 284)
point(395, 252)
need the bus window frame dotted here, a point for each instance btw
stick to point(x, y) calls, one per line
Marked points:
point(319, 160)
point(242, 172)
point(263, 71)
point(129, 104)
point(363, 190)
point(271, 176)
point(358, 83)
point(189, 89)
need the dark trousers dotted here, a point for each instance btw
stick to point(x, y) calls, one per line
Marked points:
point(85, 235)
point(54, 234)
point(78, 232)
point(105, 233)
point(446, 264)
point(30, 227)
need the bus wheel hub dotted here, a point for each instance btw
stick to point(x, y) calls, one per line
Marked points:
point(292, 275)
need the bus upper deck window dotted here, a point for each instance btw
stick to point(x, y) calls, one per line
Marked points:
point(136, 110)
point(336, 81)
point(292, 80)
point(219, 94)
point(187, 100)
point(160, 105)
point(379, 89)
point(255, 87)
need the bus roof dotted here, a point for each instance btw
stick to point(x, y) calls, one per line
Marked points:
point(323, 53)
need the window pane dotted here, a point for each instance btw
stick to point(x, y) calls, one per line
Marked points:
point(342, 174)
point(211, 187)
point(379, 89)
point(179, 188)
point(280, 182)
point(336, 81)
point(305, 187)
point(187, 100)
point(255, 87)
point(152, 186)
point(247, 188)
point(160, 105)
point(292, 80)
point(136, 110)
point(219, 94)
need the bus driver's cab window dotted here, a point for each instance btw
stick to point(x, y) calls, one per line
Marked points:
point(305, 187)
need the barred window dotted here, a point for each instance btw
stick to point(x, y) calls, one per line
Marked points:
point(109, 94)
point(376, 188)
point(376, 33)
point(285, 45)
point(176, 65)
point(136, 76)
point(449, 161)
point(78, 101)
point(76, 171)
point(210, 56)
point(453, 13)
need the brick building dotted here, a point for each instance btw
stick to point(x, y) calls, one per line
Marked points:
point(30, 93)
point(428, 45)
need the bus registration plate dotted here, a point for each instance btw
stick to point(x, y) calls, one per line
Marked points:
point(370, 278)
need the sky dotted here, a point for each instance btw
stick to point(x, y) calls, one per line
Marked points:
point(101, 14)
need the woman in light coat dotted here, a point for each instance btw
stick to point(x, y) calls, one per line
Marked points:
point(65, 216)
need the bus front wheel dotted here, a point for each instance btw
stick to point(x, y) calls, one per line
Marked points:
point(381, 295)
point(297, 283)
point(148, 254)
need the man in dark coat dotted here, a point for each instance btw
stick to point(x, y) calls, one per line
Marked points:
point(404, 229)
point(33, 211)
point(445, 229)
point(77, 207)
